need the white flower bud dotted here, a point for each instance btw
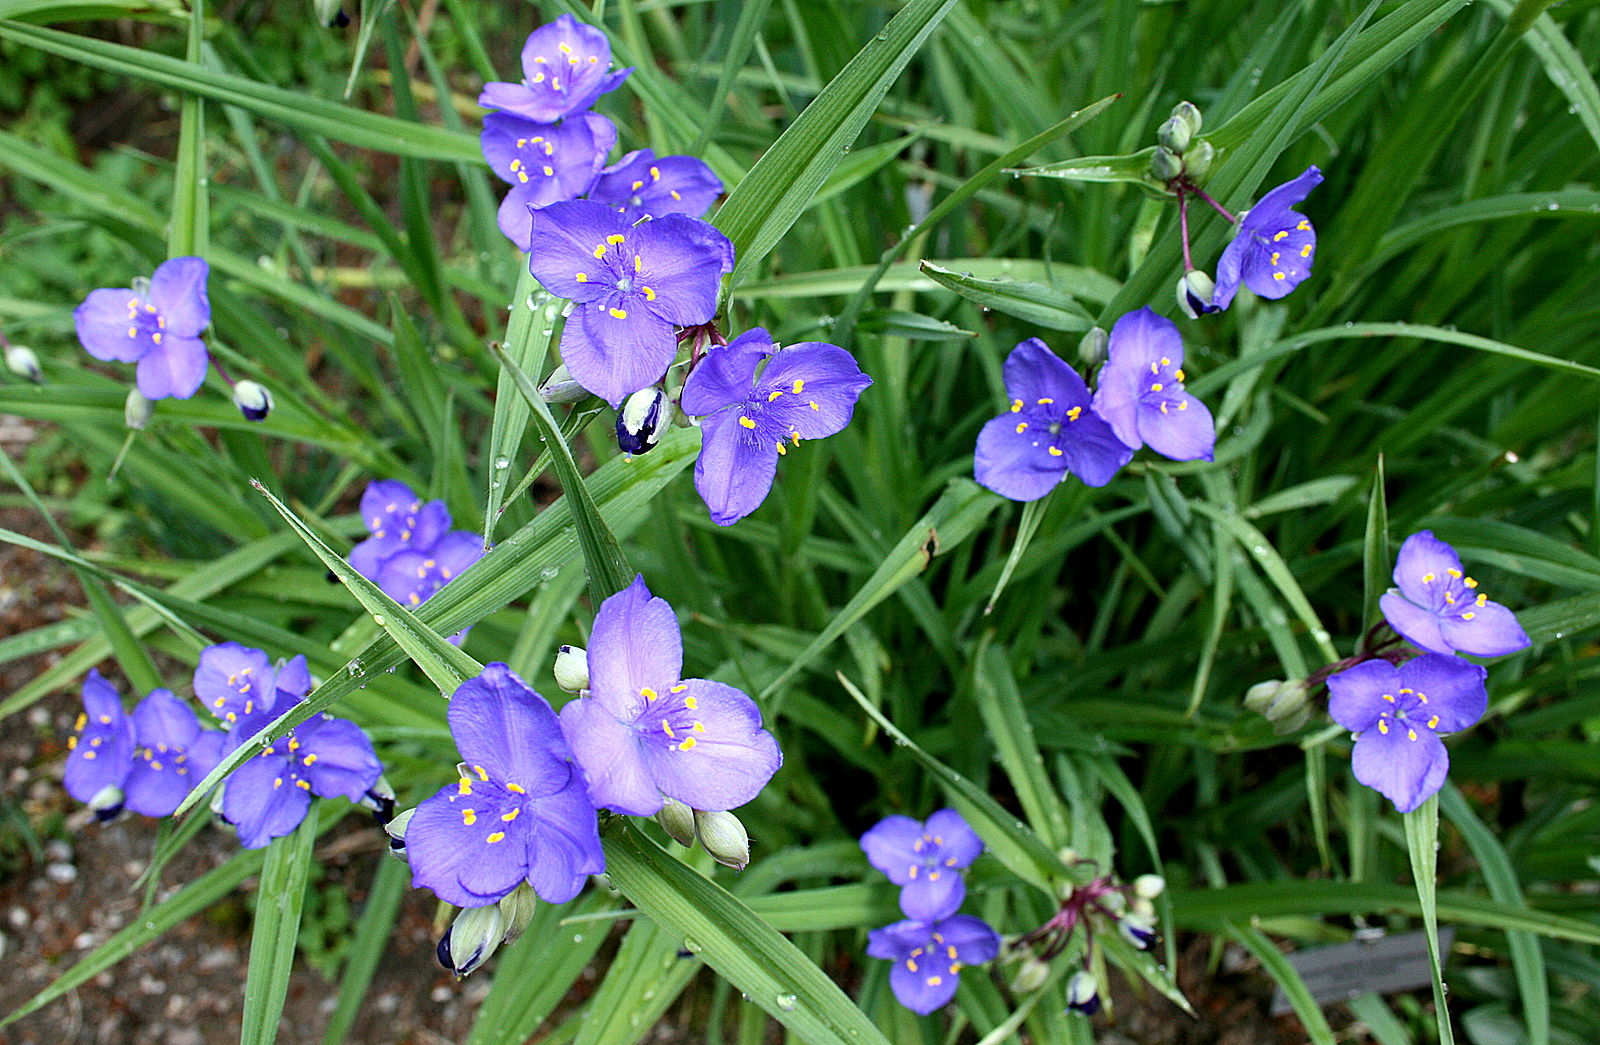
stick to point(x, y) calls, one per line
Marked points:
point(106, 803)
point(1149, 886)
point(1083, 993)
point(331, 13)
point(1190, 116)
point(253, 400)
point(1141, 932)
point(677, 820)
point(1030, 976)
point(471, 939)
point(644, 416)
point(560, 387)
point(572, 668)
point(22, 362)
point(137, 410)
point(1175, 134)
point(1194, 293)
point(1165, 164)
point(396, 830)
point(379, 798)
point(724, 838)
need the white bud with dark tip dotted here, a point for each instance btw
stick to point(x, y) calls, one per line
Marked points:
point(253, 400)
point(724, 838)
point(21, 361)
point(379, 799)
point(1137, 930)
point(1083, 993)
point(475, 934)
point(560, 387)
point(644, 416)
point(331, 13)
point(1194, 293)
point(1175, 134)
point(677, 820)
point(1165, 164)
point(396, 830)
point(572, 668)
point(137, 410)
point(106, 803)
point(1197, 161)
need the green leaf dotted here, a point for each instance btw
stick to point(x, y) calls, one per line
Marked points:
point(1294, 987)
point(773, 195)
point(279, 902)
point(1036, 303)
point(732, 939)
point(1134, 169)
point(1000, 703)
point(1376, 562)
point(1422, 843)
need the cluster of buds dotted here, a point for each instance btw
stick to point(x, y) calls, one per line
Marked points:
point(1282, 701)
point(1181, 153)
point(1098, 905)
point(478, 932)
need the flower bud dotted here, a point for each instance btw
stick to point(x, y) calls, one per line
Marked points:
point(560, 387)
point(1175, 134)
point(1292, 722)
point(253, 400)
point(724, 838)
point(1030, 976)
point(1197, 161)
point(1194, 292)
point(137, 410)
point(22, 362)
point(677, 820)
point(516, 907)
point(331, 13)
point(1165, 164)
point(1140, 932)
point(1189, 115)
point(380, 800)
point(1149, 886)
point(1143, 910)
point(1083, 993)
point(1281, 701)
point(396, 830)
point(572, 668)
point(472, 937)
point(1093, 347)
point(106, 803)
point(643, 417)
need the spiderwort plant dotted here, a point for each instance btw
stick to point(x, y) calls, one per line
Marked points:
point(925, 860)
point(1050, 430)
point(1436, 607)
point(519, 812)
point(100, 749)
point(1273, 250)
point(632, 286)
point(641, 185)
point(1397, 715)
point(749, 420)
point(1141, 395)
point(155, 323)
point(173, 754)
point(397, 520)
point(543, 163)
point(644, 731)
point(566, 66)
point(928, 956)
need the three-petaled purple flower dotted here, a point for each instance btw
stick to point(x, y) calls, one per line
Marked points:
point(172, 755)
point(1438, 608)
point(1273, 249)
point(1141, 394)
point(1050, 430)
point(632, 283)
point(100, 749)
point(156, 323)
point(566, 65)
point(269, 795)
point(806, 391)
point(644, 731)
point(411, 576)
point(397, 520)
point(543, 163)
point(926, 861)
point(1397, 715)
point(928, 956)
point(518, 813)
point(640, 185)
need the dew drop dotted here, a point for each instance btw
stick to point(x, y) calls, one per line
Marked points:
point(787, 1002)
point(502, 462)
point(377, 618)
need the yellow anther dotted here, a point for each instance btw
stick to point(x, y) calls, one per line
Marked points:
point(498, 836)
point(1482, 600)
point(688, 744)
point(1454, 573)
point(516, 165)
point(638, 263)
point(1428, 578)
point(647, 693)
point(912, 874)
point(1433, 723)
point(1072, 415)
point(1022, 426)
point(1411, 734)
point(564, 48)
point(517, 788)
point(1177, 375)
point(1016, 406)
point(1305, 251)
point(813, 404)
point(469, 816)
point(309, 760)
point(615, 238)
point(799, 385)
point(1156, 386)
point(1304, 226)
point(1280, 275)
point(539, 59)
point(679, 688)
point(655, 173)
point(638, 185)
point(618, 313)
point(1468, 615)
point(674, 194)
point(549, 171)
point(911, 963)
point(1280, 236)
point(691, 703)
point(1383, 726)
point(934, 981)
point(302, 785)
point(747, 422)
point(1274, 259)
point(782, 450)
point(581, 277)
point(698, 727)
point(774, 395)
point(1469, 582)
point(1390, 697)
point(1055, 451)
point(600, 250)
point(515, 812)
point(1046, 402)
point(483, 774)
point(649, 295)
point(951, 952)
point(538, 77)
point(666, 727)
point(83, 719)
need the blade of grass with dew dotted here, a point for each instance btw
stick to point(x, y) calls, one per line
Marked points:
point(531, 310)
point(1422, 838)
point(279, 900)
point(533, 975)
point(1284, 974)
point(1375, 561)
point(1036, 303)
point(640, 984)
point(1000, 703)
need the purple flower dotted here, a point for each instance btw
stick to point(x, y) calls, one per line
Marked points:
point(397, 519)
point(268, 796)
point(1439, 609)
point(633, 284)
point(1397, 715)
point(929, 955)
point(565, 67)
point(806, 391)
point(1141, 394)
point(1272, 251)
point(544, 163)
point(156, 323)
point(518, 813)
point(173, 755)
point(641, 186)
point(644, 731)
point(100, 750)
point(235, 682)
point(411, 576)
point(926, 861)
point(1050, 430)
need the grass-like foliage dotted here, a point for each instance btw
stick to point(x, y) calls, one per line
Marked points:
point(925, 184)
